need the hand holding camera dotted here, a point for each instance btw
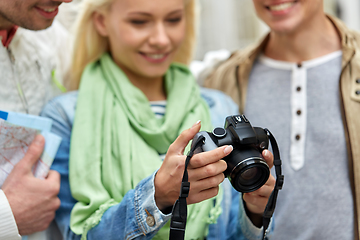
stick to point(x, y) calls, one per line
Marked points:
point(246, 168)
point(205, 172)
point(256, 201)
point(248, 165)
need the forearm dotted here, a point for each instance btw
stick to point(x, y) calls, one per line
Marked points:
point(234, 223)
point(246, 226)
point(135, 217)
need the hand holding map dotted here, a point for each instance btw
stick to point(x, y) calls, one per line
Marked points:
point(33, 201)
point(17, 131)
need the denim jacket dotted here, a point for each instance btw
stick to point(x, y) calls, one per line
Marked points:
point(127, 220)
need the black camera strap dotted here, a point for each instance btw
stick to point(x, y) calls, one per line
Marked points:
point(270, 206)
point(179, 211)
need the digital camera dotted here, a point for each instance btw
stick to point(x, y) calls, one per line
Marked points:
point(246, 168)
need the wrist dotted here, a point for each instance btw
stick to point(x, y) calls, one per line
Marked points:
point(159, 200)
point(160, 197)
point(256, 218)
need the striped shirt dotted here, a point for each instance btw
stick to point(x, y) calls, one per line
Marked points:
point(159, 108)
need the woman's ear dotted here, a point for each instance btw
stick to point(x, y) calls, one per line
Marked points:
point(100, 23)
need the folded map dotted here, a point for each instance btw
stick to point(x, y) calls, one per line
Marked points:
point(17, 131)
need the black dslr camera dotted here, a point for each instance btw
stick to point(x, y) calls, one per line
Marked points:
point(246, 168)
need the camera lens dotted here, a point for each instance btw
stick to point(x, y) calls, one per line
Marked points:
point(249, 174)
point(251, 178)
point(247, 170)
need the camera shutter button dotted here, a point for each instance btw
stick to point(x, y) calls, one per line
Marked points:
point(219, 132)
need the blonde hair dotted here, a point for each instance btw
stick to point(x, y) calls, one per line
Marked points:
point(89, 45)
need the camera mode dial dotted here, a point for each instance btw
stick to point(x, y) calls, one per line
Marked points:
point(219, 132)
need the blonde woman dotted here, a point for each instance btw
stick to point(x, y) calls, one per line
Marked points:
point(137, 108)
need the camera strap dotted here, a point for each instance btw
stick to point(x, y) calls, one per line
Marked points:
point(179, 211)
point(270, 206)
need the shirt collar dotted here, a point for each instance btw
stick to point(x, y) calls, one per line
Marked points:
point(7, 36)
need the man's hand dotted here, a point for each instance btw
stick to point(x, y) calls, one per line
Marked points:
point(256, 201)
point(33, 201)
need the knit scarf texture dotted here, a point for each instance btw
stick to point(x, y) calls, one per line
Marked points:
point(116, 141)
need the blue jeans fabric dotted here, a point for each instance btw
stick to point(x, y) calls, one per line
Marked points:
point(127, 220)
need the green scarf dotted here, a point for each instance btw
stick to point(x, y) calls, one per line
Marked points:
point(116, 142)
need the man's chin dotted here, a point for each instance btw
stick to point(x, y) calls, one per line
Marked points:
point(284, 28)
point(33, 22)
point(38, 26)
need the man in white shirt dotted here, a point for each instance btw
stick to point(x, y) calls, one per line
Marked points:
point(30, 68)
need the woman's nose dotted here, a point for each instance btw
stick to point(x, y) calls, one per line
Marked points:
point(159, 37)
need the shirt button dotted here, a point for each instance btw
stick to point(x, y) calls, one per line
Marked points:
point(299, 65)
point(150, 221)
point(357, 92)
point(298, 112)
point(358, 80)
point(298, 89)
point(297, 137)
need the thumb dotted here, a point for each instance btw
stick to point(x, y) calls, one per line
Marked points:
point(33, 153)
point(178, 146)
point(269, 157)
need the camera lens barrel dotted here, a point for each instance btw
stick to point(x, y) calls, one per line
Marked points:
point(247, 170)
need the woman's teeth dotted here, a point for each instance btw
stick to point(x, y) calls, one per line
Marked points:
point(155, 56)
point(281, 6)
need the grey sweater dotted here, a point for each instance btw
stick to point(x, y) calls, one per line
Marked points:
point(300, 106)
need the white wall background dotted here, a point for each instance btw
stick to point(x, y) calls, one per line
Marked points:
point(349, 11)
point(227, 24)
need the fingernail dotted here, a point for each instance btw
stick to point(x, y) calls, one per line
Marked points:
point(38, 140)
point(195, 124)
point(266, 153)
point(228, 149)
